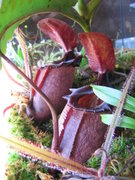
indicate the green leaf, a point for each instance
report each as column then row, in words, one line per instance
column 5, row 38
column 112, row 96
column 126, row 122
column 92, row 7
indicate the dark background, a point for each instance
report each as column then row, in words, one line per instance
column 115, row 18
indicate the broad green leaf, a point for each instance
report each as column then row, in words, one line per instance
column 112, row 96
column 126, row 122
column 92, row 7
column 14, row 12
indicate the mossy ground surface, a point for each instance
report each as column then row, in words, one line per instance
column 121, row 160
column 19, row 165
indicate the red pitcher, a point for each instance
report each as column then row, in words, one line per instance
column 81, row 130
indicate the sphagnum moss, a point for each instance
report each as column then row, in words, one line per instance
column 19, row 166
column 121, row 151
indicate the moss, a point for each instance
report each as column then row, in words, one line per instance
column 23, row 127
column 124, row 59
column 94, row 162
column 122, row 150
column 20, row 168
column 84, row 76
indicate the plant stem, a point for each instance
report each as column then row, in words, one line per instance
column 116, row 120
column 119, row 73
column 83, row 24
column 55, row 143
column 24, row 49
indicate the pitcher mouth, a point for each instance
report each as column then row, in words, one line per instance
column 84, row 99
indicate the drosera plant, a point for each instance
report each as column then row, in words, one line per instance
column 45, row 52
